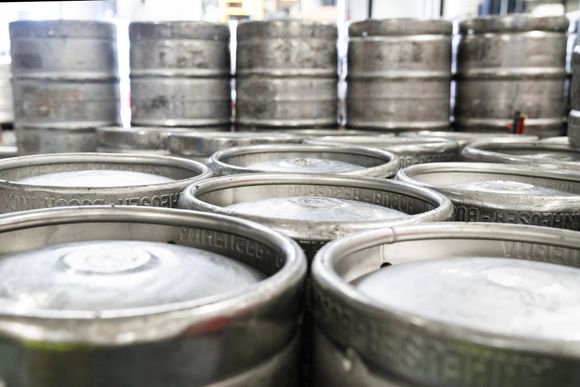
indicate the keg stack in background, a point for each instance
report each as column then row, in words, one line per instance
column 399, row 73
column 180, row 74
column 511, row 64
column 574, row 116
column 286, row 75
column 65, row 83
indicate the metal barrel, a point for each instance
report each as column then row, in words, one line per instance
column 286, row 74
column 512, row 64
column 143, row 139
column 311, row 159
column 65, row 78
column 84, row 179
column 315, row 209
column 465, row 138
column 399, row 74
column 501, row 193
column 574, row 115
column 392, row 300
column 201, row 145
column 313, row 133
column 218, row 300
column 6, row 101
column 545, row 155
column 409, row 150
column 180, row 73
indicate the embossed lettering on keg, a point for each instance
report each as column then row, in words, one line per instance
column 410, row 150
column 510, row 64
column 143, row 139
column 501, row 193
column 399, row 73
column 315, row 159
column 84, row 179
column 185, row 326
column 204, row 144
column 286, row 74
column 545, row 155
column 314, row 209
column 180, row 73
column 497, row 301
column 464, row 138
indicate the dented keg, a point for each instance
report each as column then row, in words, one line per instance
column 546, row 155
column 144, row 139
column 500, row 193
column 314, row 209
column 200, row 146
column 79, row 179
column 498, row 301
column 399, row 74
column 512, row 64
column 180, row 73
column 316, row 159
column 218, row 299
column 464, row 138
column 410, row 150
column 286, row 74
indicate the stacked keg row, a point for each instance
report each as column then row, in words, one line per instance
column 65, row 84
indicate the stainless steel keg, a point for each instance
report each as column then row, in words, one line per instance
column 399, row 73
column 6, row 101
column 111, row 296
column 7, row 151
column 449, row 304
column 82, row 179
column 549, row 156
column 65, row 82
column 286, row 74
column 560, row 140
column 200, row 146
column 180, row 73
column 410, row 150
column 574, row 116
column 143, row 139
column 464, row 138
column 511, row 64
column 315, row 209
column 501, row 193
column 315, row 159
column 311, row 133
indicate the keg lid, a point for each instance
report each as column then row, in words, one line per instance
column 102, row 275
column 514, row 23
column 69, row 29
column 138, row 138
column 489, row 294
column 400, row 26
column 545, row 155
column 310, row 207
column 179, row 30
column 286, row 29
column 346, row 160
column 499, row 185
column 204, row 144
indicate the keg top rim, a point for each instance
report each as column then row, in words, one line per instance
column 286, row 29
column 400, row 26
column 23, row 162
column 63, row 28
column 515, row 23
column 218, row 161
column 332, row 273
column 411, row 173
column 121, row 327
column 178, row 29
column 315, row 230
column 385, row 141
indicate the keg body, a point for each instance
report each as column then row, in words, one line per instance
column 65, row 82
column 180, row 73
column 6, row 99
column 286, row 74
column 399, row 73
column 574, row 116
column 511, row 64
